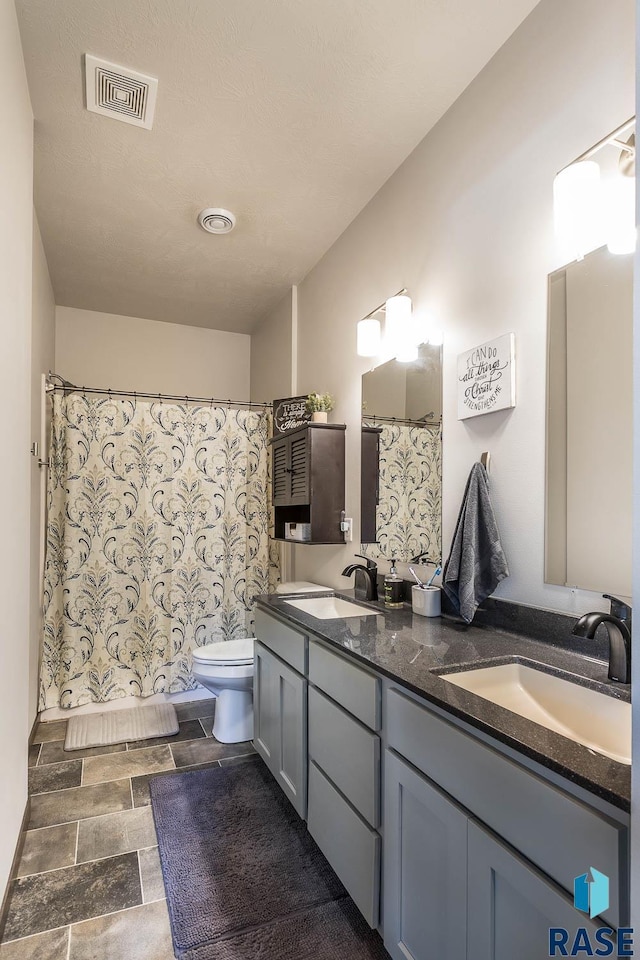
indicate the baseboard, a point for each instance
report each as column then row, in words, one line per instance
column 4, row 909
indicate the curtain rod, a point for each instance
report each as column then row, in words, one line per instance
column 67, row 387
column 417, row 423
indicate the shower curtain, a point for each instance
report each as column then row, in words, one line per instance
column 157, row 542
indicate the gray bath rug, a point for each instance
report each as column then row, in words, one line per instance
column 243, row 877
column 117, row 726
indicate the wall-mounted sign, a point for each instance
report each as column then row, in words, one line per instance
column 487, row 378
column 289, row 414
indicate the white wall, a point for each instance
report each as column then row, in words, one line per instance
column 16, row 204
column 272, row 345
column 42, row 360
column 129, row 353
column 466, row 225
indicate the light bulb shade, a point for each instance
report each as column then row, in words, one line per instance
column 620, row 214
column 400, row 332
column 369, row 337
column 577, row 207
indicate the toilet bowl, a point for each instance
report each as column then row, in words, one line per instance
column 226, row 669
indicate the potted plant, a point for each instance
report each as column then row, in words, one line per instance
column 319, row 405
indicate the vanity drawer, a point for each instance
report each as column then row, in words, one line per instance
column 283, row 640
column 347, row 752
column 557, row 833
column 349, row 844
column 354, row 689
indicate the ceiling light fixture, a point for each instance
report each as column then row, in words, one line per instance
column 216, row 220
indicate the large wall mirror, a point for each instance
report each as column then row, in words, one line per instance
column 589, row 424
column 401, row 474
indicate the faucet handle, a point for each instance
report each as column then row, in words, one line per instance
column 619, row 608
column 371, row 564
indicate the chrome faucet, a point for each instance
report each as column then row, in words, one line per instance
column 618, row 624
column 366, row 579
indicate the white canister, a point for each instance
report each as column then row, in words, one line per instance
column 426, row 601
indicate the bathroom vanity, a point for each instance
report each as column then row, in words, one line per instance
column 457, row 826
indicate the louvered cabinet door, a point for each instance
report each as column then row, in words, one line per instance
column 281, row 475
column 299, row 469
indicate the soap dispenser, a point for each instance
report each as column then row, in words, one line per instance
column 393, row 587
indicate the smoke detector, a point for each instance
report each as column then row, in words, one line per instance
column 216, row 220
column 120, row 93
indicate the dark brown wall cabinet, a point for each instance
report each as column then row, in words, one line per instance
column 308, row 481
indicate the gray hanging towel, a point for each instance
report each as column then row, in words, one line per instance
column 477, row 563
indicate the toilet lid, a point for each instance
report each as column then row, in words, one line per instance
column 227, row 651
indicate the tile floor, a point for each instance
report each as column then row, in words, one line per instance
column 88, row 885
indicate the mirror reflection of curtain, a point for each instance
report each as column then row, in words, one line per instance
column 157, row 542
column 408, row 517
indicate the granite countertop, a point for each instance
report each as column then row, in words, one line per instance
column 413, row 650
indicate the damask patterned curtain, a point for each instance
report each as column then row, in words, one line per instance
column 157, row 542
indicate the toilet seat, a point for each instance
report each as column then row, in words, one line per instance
column 229, row 653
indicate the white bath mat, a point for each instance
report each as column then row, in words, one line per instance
column 117, row 726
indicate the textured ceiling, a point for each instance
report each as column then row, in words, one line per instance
column 291, row 113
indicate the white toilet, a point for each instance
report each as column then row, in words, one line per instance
column 226, row 669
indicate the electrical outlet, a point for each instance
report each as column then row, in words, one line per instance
column 347, row 528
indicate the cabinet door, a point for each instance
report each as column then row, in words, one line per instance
column 265, row 707
column 280, row 724
column 281, row 477
column 511, row 905
column 299, row 468
column 291, row 694
column 425, row 868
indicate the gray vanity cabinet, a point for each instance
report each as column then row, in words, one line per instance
column 425, row 868
column 511, row 906
column 344, row 773
column 280, row 724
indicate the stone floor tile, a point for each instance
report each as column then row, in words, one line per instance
column 55, row 730
column 115, row 833
column 151, row 874
column 133, row 763
column 139, row 934
column 207, row 725
column 79, row 802
column 55, row 752
column 55, row 776
column 230, row 761
column 189, row 730
column 205, row 751
column 34, row 753
column 48, row 848
column 52, row 945
column 195, row 709
column 49, row 900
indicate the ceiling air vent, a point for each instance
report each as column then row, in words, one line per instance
column 216, row 220
column 120, row 93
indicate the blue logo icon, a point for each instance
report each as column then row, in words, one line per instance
column 591, row 892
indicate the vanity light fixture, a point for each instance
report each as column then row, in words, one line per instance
column 590, row 209
column 369, row 335
column 400, row 331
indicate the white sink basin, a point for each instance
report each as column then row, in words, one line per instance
column 330, row 608
column 580, row 713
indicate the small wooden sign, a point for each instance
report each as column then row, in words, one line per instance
column 289, row 414
column 487, row 378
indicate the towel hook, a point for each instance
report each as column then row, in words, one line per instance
column 485, row 460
